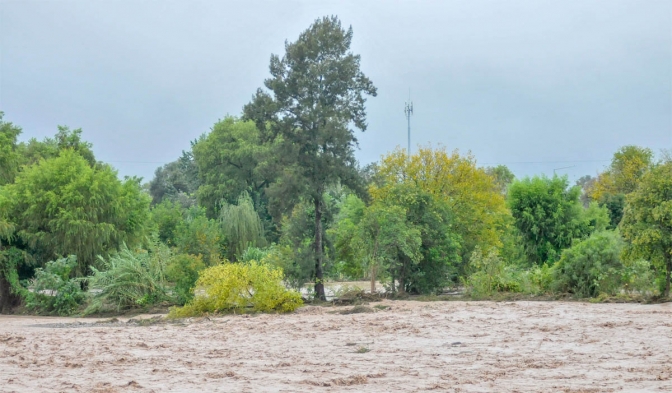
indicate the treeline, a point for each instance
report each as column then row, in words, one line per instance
column 275, row 196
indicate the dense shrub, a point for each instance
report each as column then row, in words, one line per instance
column 254, row 254
column 53, row 291
column 491, row 275
column 591, row 266
column 183, row 270
column 131, row 278
column 639, row 277
column 239, row 287
column 198, row 235
column 295, row 263
column 166, row 217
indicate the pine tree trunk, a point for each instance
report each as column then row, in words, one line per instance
column 319, row 275
column 402, row 282
column 373, row 279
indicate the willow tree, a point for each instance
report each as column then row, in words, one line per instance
column 316, row 96
column 242, row 226
column 63, row 205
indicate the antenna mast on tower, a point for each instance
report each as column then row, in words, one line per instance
column 408, row 110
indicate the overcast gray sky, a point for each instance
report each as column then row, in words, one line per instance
column 535, row 85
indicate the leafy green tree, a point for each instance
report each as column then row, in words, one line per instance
column 548, row 215
column 371, row 238
column 647, row 220
column 614, row 203
column 64, row 206
column 175, row 179
column 502, row 176
column 298, row 236
column 386, row 239
column 478, row 209
column 166, row 216
column 586, row 184
column 235, row 157
column 9, row 155
column 65, row 139
column 440, row 247
column 200, row 235
column 406, row 235
column 316, row 93
column 345, row 231
column 621, row 178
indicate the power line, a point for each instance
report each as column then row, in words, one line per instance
column 137, row 162
column 541, row 162
column 482, row 163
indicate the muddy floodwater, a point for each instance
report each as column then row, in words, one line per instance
column 406, row 347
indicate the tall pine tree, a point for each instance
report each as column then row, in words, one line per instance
column 315, row 100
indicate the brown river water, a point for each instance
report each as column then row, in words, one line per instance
column 408, row 347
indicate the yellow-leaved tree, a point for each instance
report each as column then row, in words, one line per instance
column 621, row 178
column 624, row 173
column 479, row 208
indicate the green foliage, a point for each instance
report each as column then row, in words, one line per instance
column 638, row 277
column 175, row 180
column 183, row 270
column 291, row 262
column 502, row 176
column 298, row 235
column 53, row 290
column 239, row 287
column 131, row 278
column 439, row 242
column 63, row 206
column 622, row 177
column 242, row 227
column 548, row 215
column 491, row 275
column 9, row 155
column 478, row 211
column 199, row 235
column 647, row 220
column 591, row 266
column 34, row 151
column 318, row 93
column 166, row 217
column 11, row 291
column 388, row 240
column 405, row 235
column 345, row 232
column 254, row 254
column 595, row 218
column 614, row 203
column 235, row 157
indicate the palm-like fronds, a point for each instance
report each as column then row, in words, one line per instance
column 131, row 278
